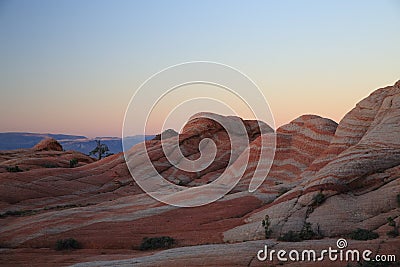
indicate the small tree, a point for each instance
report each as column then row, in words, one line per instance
column 73, row 162
column 13, row 169
column 266, row 224
column 319, row 199
column 395, row 231
column 307, row 233
column 157, row 242
column 100, row 149
column 67, row 244
column 363, row 234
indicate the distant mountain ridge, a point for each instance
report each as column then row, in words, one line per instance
column 83, row 144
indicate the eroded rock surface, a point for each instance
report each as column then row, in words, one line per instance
column 335, row 177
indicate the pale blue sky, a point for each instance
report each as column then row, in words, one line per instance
column 72, row 66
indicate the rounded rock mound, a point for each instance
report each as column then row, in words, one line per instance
column 48, row 144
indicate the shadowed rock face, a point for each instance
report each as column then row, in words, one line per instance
column 355, row 165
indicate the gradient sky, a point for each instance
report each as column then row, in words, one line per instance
column 72, row 66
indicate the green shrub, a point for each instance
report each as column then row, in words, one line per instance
column 50, row 165
column 319, row 234
column 395, row 231
column 14, row 169
column 67, row 244
column 306, row 233
column 20, row 213
column 290, row 237
column 391, row 222
column 157, row 242
column 17, row 213
column 363, row 234
column 73, row 163
column 319, row 198
column 266, row 224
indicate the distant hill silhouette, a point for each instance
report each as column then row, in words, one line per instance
column 20, row 140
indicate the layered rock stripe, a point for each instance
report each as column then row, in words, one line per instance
column 355, row 164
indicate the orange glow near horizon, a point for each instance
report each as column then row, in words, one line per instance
column 76, row 76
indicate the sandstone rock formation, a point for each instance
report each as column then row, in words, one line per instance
column 47, row 154
column 196, row 130
column 48, row 144
column 353, row 167
column 357, row 173
column 298, row 144
column 166, row 134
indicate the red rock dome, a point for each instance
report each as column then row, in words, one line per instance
column 48, row 144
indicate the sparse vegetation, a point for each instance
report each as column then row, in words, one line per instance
column 50, row 165
column 391, row 222
column 19, row 213
column 62, row 207
column 14, row 169
column 67, row 244
column 290, row 237
column 73, row 163
column 305, row 234
column 266, row 224
column 395, row 231
column 157, row 242
column 319, row 198
column 363, row 234
column 319, row 233
column 100, row 150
